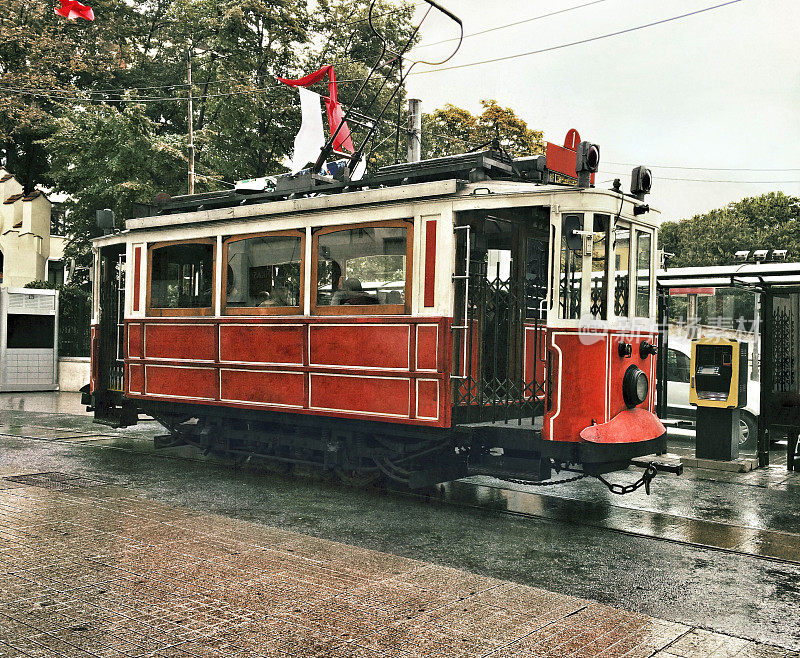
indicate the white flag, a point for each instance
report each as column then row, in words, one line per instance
column 311, row 138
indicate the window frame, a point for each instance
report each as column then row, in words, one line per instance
column 182, row 311
column 268, row 310
column 608, row 270
column 369, row 309
column 628, row 225
column 651, row 293
column 585, row 276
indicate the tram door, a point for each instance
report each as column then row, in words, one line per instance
column 110, row 353
column 505, row 292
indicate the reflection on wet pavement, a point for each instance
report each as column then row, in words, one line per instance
column 751, row 541
column 99, row 571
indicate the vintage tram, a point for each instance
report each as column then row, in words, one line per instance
column 437, row 319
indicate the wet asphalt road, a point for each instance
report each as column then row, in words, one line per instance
column 739, row 595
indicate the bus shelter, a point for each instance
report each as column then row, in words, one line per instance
column 777, row 289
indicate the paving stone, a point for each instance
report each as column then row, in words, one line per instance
column 99, row 571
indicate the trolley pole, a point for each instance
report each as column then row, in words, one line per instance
column 414, row 129
column 191, row 126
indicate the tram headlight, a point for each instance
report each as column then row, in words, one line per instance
column 634, row 387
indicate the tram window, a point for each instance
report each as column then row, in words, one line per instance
column 599, row 289
column 571, row 277
column 264, row 274
column 362, row 270
column 643, row 248
column 622, row 265
column 181, row 278
column 535, row 278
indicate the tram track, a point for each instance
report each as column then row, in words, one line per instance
column 492, row 497
column 792, row 541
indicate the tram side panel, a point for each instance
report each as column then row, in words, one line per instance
column 382, row 367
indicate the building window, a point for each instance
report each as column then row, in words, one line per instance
column 264, row 274
column 55, row 272
column 365, row 269
column 181, row 278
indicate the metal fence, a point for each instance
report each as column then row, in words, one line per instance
column 75, row 316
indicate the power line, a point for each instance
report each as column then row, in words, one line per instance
column 630, row 164
column 60, row 94
column 507, row 25
column 714, row 180
column 745, row 182
column 576, row 43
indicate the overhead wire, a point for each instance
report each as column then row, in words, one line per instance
column 708, row 180
column 631, row 164
column 61, row 94
column 578, row 42
column 53, row 92
column 508, row 25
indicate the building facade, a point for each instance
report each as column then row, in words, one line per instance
column 28, row 250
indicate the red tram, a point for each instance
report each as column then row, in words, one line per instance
column 437, row 319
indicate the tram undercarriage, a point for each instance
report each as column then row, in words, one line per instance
column 360, row 453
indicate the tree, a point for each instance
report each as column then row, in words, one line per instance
column 103, row 157
column 40, row 53
column 98, row 110
column 348, row 42
column 769, row 221
column 451, row 130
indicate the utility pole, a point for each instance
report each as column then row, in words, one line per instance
column 414, row 129
column 191, row 126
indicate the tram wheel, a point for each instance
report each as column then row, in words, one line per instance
column 277, row 468
column 358, row 479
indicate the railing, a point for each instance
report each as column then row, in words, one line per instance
column 497, row 362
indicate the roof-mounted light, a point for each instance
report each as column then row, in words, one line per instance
column 587, row 161
column 641, row 182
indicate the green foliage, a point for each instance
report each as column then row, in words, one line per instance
column 105, row 157
column 769, row 221
column 451, row 130
column 41, row 285
column 114, row 150
column 348, row 42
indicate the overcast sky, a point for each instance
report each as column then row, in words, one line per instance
column 719, row 89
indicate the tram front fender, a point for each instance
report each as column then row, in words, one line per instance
column 629, row 426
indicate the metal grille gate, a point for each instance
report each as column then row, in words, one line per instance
column 112, row 324
column 494, row 384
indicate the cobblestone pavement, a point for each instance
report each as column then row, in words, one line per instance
column 88, row 569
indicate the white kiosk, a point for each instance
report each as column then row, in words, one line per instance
column 28, row 339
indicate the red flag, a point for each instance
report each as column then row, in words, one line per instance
column 74, row 9
column 332, row 106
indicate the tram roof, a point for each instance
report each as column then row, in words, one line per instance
column 497, row 178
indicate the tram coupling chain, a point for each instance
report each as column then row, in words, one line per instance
column 621, row 489
column 541, row 483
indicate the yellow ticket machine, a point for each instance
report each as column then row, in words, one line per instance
column 718, row 387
